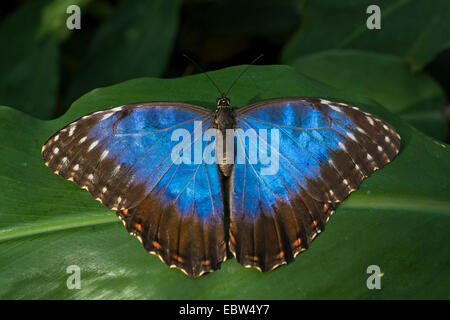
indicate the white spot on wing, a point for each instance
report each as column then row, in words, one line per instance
column 82, row 140
column 104, row 154
column 360, row 130
column 106, row 116
column 104, row 189
column 56, row 150
column 91, row 177
column 370, row 120
column 56, row 138
column 76, row 167
column 116, row 169
column 351, row 136
column 92, row 146
column 71, row 130
column 335, row 108
column 387, row 139
column 341, row 145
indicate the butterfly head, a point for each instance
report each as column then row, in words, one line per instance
column 223, row 102
column 224, row 116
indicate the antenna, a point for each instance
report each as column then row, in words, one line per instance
column 245, row 70
column 201, row 69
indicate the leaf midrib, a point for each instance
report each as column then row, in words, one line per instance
column 50, row 227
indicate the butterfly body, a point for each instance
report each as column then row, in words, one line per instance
column 136, row 160
column 224, row 119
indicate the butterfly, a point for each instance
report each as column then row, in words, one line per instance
column 190, row 213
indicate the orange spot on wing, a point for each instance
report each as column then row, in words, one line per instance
column 233, row 240
column 138, row 227
column 206, row 263
column 314, row 224
column 178, row 258
column 297, row 243
column 254, row 258
column 125, row 211
column 157, row 245
column 280, row 255
column 325, row 207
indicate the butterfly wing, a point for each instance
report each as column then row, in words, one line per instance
column 123, row 157
column 325, row 149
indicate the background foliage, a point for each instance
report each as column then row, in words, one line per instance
column 49, row 76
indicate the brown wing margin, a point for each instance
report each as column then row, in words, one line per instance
column 191, row 244
column 278, row 235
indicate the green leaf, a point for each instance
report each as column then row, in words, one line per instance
column 399, row 218
column 135, row 41
column 416, row 30
column 29, row 58
column 415, row 96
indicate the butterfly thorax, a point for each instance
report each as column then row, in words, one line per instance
column 224, row 119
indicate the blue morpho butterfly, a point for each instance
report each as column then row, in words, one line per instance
column 188, row 212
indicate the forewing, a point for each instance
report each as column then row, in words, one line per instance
column 123, row 157
column 324, row 152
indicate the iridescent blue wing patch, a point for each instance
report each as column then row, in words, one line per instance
column 325, row 150
column 123, row 157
